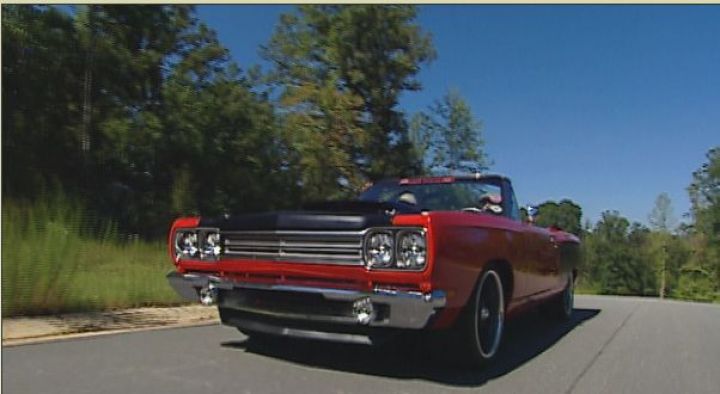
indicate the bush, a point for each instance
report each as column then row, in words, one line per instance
column 695, row 284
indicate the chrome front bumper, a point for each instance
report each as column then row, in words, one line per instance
column 396, row 309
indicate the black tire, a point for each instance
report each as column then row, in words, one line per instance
column 479, row 331
column 561, row 307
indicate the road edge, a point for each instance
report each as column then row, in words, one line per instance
column 41, row 329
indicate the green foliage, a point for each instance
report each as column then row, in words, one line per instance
column 677, row 253
column 448, row 137
column 696, row 284
column 325, row 134
column 662, row 220
column 40, row 95
column 363, row 57
column 615, row 262
column 140, row 107
column 630, row 259
column 222, row 149
column 566, row 215
column 58, row 257
column 705, row 198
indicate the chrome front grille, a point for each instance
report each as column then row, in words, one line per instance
column 323, row 247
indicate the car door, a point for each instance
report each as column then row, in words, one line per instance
column 540, row 253
column 544, row 257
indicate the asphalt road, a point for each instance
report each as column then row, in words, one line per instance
column 613, row 345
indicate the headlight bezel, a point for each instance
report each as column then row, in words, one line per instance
column 402, row 235
column 210, row 250
column 397, row 234
column 366, row 249
column 201, row 235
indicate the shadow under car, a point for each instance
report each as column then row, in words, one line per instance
column 524, row 338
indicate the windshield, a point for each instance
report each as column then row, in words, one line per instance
column 458, row 195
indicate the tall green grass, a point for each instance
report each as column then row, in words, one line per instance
column 58, row 257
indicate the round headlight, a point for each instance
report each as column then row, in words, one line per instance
column 412, row 250
column 186, row 244
column 379, row 250
column 211, row 245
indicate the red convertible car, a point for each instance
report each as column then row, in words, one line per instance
column 447, row 254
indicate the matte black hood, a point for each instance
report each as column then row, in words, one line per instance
column 336, row 215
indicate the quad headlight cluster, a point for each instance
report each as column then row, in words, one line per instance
column 404, row 249
column 198, row 243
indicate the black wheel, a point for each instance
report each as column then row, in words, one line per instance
column 481, row 327
column 562, row 306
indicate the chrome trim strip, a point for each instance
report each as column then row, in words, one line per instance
column 297, row 232
column 292, row 255
column 292, row 244
column 302, row 260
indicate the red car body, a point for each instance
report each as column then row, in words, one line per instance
column 535, row 265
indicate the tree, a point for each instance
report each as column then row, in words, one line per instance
column 615, row 258
column 141, row 108
column 369, row 53
column 678, row 253
column 324, row 135
column 644, row 267
column 566, row 215
column 422, row 141
column 130, row 54
column 448, row 137
column 704, row 194
column 662, row 220
column 611, row 254
column 221, row 146
column 40, row 95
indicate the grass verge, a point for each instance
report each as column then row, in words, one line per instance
column 57, row 257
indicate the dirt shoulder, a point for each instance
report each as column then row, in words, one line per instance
column 25, row 330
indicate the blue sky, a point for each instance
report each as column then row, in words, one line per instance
column 606, row 105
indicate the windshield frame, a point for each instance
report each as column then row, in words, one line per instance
column 397, row 186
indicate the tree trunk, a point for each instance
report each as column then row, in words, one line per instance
column 663, row 270
column 87, row 88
